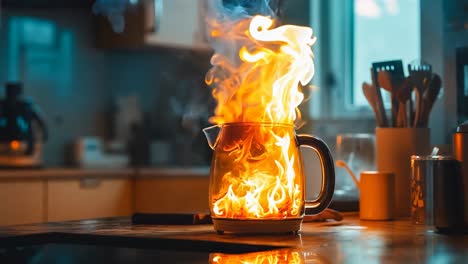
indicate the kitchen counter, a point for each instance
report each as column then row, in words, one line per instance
column 66, row 173
column 62, row 173
column 170, row 172
column 348, row 241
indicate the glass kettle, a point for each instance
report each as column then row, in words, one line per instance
column 257, row 182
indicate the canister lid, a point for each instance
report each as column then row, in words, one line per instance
column 431, row 157
column 463, row 128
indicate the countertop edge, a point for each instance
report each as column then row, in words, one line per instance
column 73, row 173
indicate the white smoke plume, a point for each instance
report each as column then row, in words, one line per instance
column 259, row 65
column 244, row 8
column 225, row 16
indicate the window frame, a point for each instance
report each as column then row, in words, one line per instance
column 333, row 23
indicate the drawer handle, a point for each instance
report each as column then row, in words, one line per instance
column 90, row 182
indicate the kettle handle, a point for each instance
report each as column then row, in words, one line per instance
column 328, row 174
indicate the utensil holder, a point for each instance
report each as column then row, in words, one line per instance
column 394, row 148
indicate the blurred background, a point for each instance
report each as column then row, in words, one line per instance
column 147, row 83
column 138, row 98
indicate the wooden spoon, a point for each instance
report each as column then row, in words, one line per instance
column 417, row 114
column 420, row 74
column 429, row 97
column 392, row 83
column 378, row 100
column 403, row 95
column 369, row 92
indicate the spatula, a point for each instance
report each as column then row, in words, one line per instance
column 390, row 76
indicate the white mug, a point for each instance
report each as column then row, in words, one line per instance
column 377, row 195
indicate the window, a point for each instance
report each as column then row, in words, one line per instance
column 350, row 36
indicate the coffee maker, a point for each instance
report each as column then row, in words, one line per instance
column 22, row 130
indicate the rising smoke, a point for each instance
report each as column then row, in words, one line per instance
column 259, row 66
column 243, row 8
column 225, row 16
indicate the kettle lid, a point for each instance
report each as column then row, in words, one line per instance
column 463, row 128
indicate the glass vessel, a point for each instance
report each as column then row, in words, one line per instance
column 257, row 180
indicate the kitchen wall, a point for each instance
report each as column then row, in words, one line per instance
column 52, row 54
column 443, row 32
column 76, row 84
column 172, row 93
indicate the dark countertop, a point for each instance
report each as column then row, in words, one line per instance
column 351, row 240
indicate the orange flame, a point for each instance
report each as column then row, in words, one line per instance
column 260, row 181
column 269, row 257
column 264, row 85
column 260, row 85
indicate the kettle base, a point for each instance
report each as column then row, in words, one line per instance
column 238, row 226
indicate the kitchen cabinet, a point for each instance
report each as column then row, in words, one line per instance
column 163, row 194
column 161, row 23
column 85, row 198
column 22, row 201
column 47, row 4
column 34, row 196
column 181, row 23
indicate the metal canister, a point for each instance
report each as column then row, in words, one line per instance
column 460, row 151
column 448, row 196
column 437, row 192
column 422, row 189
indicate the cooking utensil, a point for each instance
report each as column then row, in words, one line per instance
column 390, row 76
column 420, row 73
column 370, row 92
column 378, row 101
column 385, row 80
column 393, row 83
column 429, row 97
column 403, row 95
column 418, row 101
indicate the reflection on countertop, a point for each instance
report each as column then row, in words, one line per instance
column 349, row 241
column 48, row 173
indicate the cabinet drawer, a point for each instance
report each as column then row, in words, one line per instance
column 171, row 195
column 87, row 198
column 21, row 202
